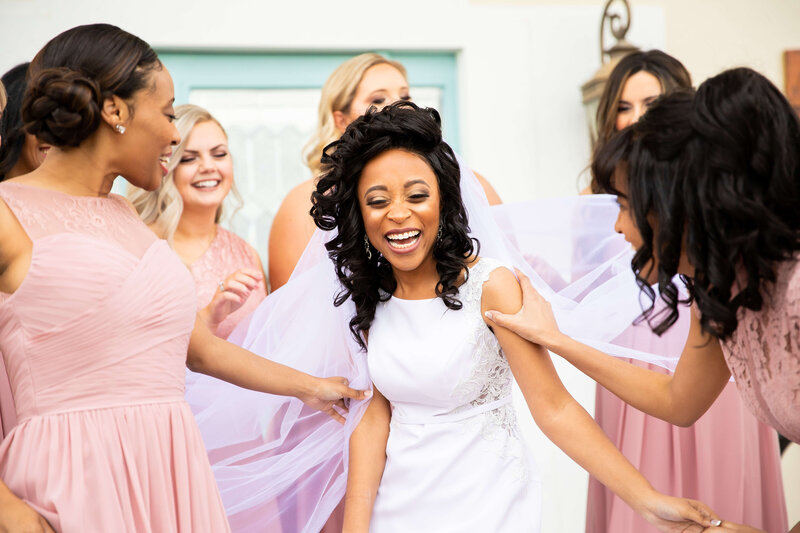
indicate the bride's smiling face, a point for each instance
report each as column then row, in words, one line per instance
column 398, row 194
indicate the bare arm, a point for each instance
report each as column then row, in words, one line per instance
column 211, row 355
column 291, row 230
column 679, row 399
column 571, row 428
column 15, row 259
column 367, row 461
column 16, row 249
column 491, row 194
column 19, row 516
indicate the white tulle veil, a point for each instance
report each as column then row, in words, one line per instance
column 282, row 467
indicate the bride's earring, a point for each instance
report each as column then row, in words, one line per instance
column 366, row 247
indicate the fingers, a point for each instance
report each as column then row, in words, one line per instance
column 251, row 273
column 501, row 319
column 241, row 289
column 701, row 514
column 528, row 292
column 341, row 407
column 347, row 392
column 355, row 394
column 711, row 518
column 336, row 416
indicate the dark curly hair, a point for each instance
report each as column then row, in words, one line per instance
column 11, row 130
column 71, row 76
column 646, row 157
column 335, row 205
column 720, row 173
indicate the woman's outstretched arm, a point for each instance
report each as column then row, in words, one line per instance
column 680, row 398
column 221, row 359
column 571, row 428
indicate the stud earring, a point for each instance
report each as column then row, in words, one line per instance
column 120, row 128
column 367, row 248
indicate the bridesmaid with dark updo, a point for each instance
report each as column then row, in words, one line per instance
column 98, row 316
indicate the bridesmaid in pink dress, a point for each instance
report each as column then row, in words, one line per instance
column 97, row 316
column 744, row 481
column 186, row 210
column 718, row 175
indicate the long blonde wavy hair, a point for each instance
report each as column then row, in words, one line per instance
column 161, row 209
column 337, row 95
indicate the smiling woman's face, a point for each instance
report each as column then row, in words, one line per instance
column 204, row 175
column 399, row 198
column 639, row 91
column 146, row 145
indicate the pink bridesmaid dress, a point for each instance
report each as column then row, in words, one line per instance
column 727, row 459
column 227, row 254
column 94, row 341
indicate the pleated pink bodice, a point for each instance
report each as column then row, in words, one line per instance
column 94, row 341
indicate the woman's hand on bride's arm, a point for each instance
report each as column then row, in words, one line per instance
column 571, row 428
column 19, row 517
column 534, row 321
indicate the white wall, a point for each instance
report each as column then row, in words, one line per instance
column 521, row 61
column 520, row 66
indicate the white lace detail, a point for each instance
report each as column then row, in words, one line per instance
column 490, row 378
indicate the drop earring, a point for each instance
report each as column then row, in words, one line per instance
column 367, row 248
column 439, row 234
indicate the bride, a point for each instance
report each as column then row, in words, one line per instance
column 439, row 444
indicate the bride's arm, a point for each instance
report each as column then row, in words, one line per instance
column 571, row 428
column 680, row 398
column 367, row 461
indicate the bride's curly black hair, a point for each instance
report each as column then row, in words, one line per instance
column 719, row 173
column 335, row 205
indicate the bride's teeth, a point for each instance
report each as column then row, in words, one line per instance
column 396, row 238
column 402, row 236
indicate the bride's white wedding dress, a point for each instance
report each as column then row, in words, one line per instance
column 455, row 461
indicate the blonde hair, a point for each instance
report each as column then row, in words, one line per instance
column 337, row 95
column 3, row 98
column 162, row 208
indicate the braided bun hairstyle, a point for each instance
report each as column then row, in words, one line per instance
column 74, row 73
